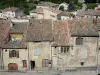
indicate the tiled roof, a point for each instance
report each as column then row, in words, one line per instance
column 81, row 13
column 10, row 9
column 4, row 30
column 61, row 33
column 84, row 27
column 46, row 4
column 37, row 10
column 19, row 27
column 56, row 11
column 14, row 45
column 40, row 30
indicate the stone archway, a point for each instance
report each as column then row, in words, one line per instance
column 12, row 66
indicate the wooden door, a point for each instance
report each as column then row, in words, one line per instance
column 12, row 66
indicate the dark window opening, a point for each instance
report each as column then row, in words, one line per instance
column 32, row 64
column 65, row 49
column 79, row 41
column 24, row 64
column 82, row 63
column 5, row 50
column 14, row 53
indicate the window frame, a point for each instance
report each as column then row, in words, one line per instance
column 13, row 54
column 64, row 49
column 24, row 63
column 79, row 41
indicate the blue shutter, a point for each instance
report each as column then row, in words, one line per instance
column 36, row 51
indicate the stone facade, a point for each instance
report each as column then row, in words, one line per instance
column 39, row 51
column 23, row 55
column 76, row 54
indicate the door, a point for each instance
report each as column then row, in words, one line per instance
column 12, row 66
column 54, row 61
column 45, row 63
column 32, row 64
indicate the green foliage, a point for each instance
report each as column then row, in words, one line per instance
column 26, row 11
column 91, row 5
column 32, row 6
column 15, row 3
column 71, row 7
column 61, row 8
column 79, row 6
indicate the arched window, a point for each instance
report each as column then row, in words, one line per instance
column 14, row 53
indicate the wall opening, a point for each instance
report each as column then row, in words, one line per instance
column 32, row 64
column 82, row 63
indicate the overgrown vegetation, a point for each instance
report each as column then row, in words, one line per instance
column 27, row 6
column 91, row 5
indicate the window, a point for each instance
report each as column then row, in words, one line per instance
column 45, row 62
column 5, row 50
column 79, row 41
column 24, row 64
column 65, row 49
column 14, row 53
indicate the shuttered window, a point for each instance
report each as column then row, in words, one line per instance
column 24, row 64
column 45, row 62
column 14, row 53
column 65, row 49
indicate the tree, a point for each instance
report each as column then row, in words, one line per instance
column 61, row 8
column 71, row 6
column 32, row 6
column 91, row 5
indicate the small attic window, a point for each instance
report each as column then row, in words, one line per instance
column 79, row 41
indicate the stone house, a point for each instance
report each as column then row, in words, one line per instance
column 65, row 16
column 81, row 49
column 4, row 30
column 41, row 13
column 70, row 44
column 12, row 55
column 39, row 39
column 12, row 12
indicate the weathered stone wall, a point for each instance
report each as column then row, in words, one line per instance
column 44, row 52
column 78, row 53
column 23, row 55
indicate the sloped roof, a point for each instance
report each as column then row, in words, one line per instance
column 10, row 9
column 40, row 30
column 56, row 11
column 84, row 27
column 19, row 28
column 46, row 4
column 4, row 30
column 37, row 10
column 81, row 13
column 14, row 45
column 64, row 13
column 61, row 33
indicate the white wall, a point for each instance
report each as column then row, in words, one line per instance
column 9, row 14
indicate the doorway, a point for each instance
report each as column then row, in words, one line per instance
column 12, row 66
column 32, row 64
